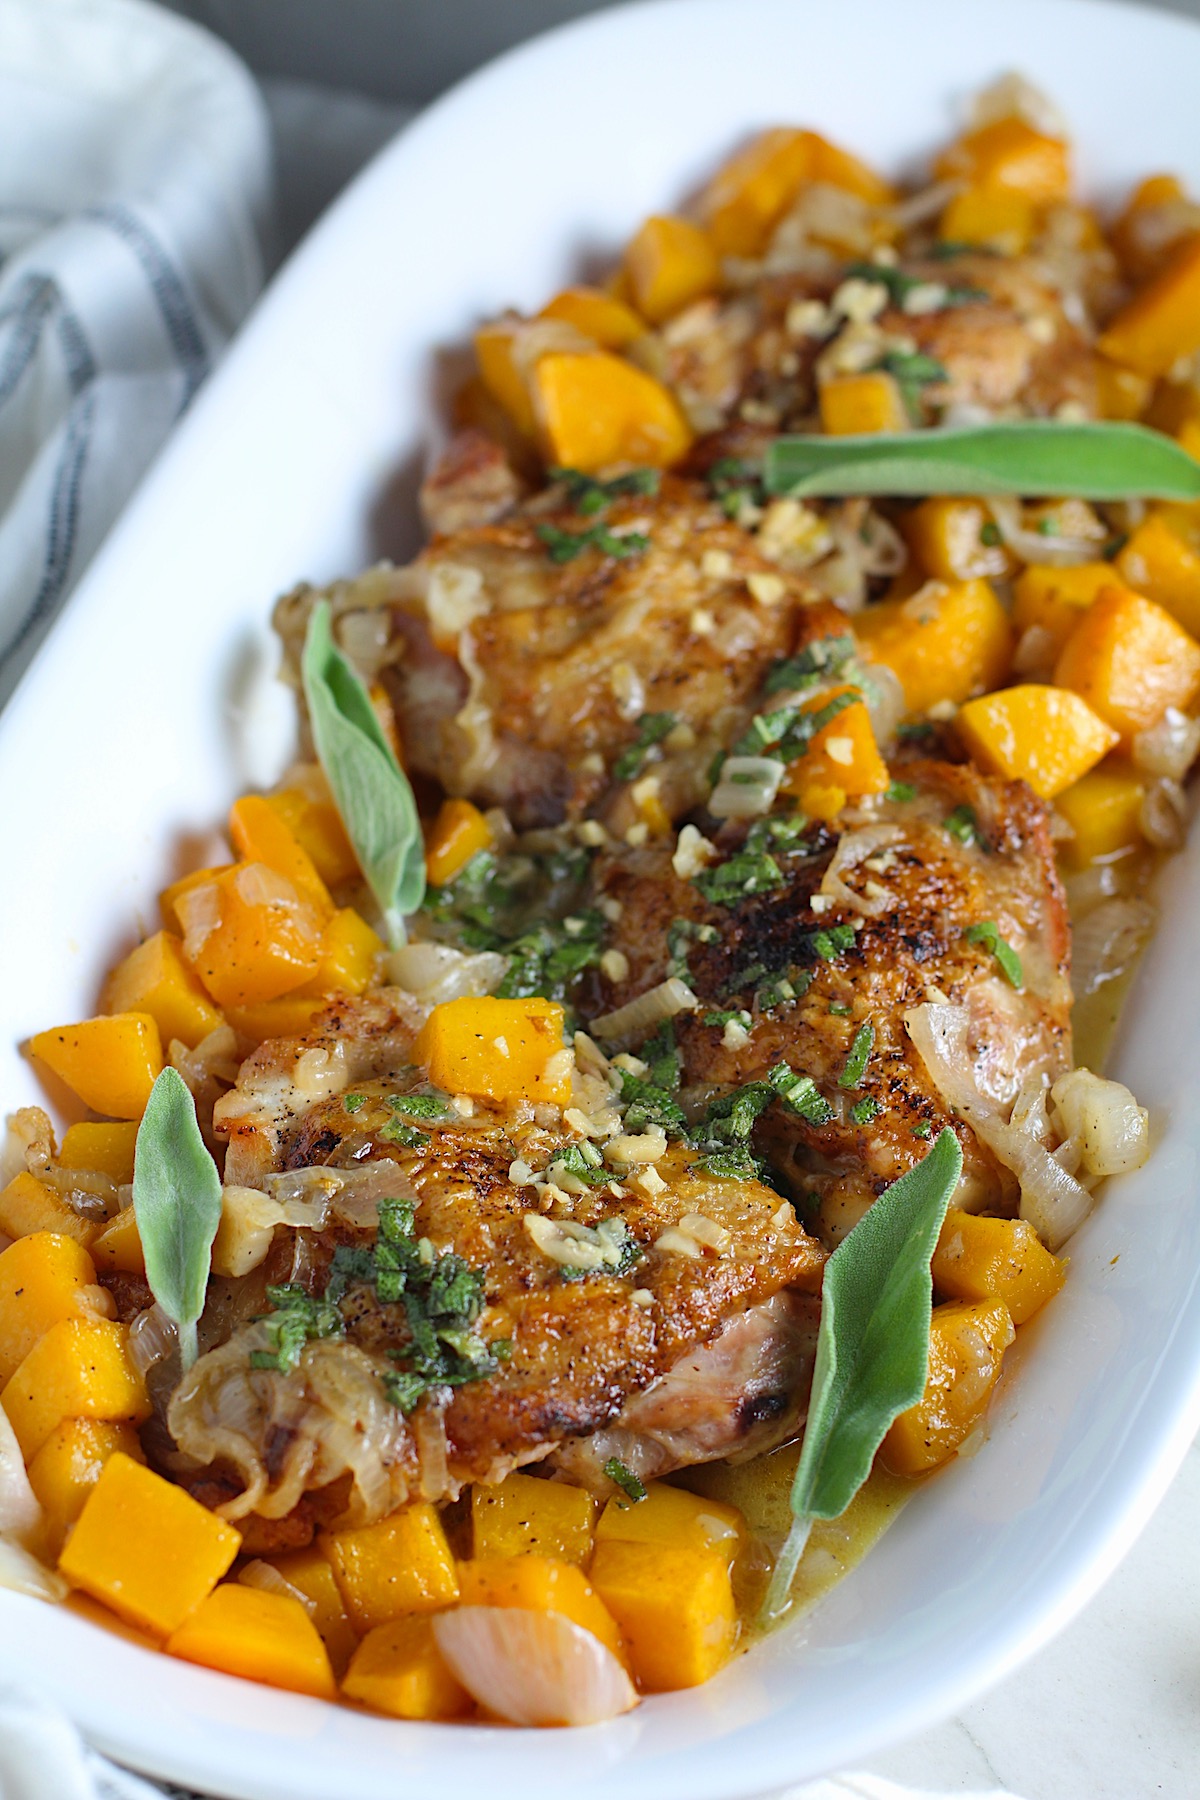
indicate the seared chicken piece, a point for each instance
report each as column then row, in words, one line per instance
column 865, row 925
column 519, row 660
column 592, row 1295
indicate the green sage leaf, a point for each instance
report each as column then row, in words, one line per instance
column 1109, row 461
column 177, row 1205
column 371, row 789
column 873, row 1347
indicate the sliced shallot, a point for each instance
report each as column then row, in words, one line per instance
column 533, row 1668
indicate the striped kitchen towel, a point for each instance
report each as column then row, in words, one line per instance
column 134, row 173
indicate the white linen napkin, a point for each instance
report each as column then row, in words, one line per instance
column 134, row 176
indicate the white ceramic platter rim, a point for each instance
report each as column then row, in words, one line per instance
column 161, row 666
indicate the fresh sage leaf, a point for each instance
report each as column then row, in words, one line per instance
column 177, row 1205
column 371, row 789
column 1109, row 461
column 873, row 1347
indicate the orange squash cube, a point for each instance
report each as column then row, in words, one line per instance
column 995, row 1259
column 1133, row 246
column 501, row 373
column 947, row 535
column 260, row 835
column 311, row 1574
column 747, row 198
column 946, row 642
column 602, row 317
column 32, row 1207
column 842, row 169
column 967, row 1341
column 110, row 1062
column 146, row 1549
column 249, row 935
column 398, row 1669
column 1122, row 393
column 119, row 1246
column 68, row 1466
column 155, row 979
column 995, row 218
column 671, row 1517
column 670, row 263
column 497, row 1049
column 43, row 1278
column 260, row 1636
column 521, row 1513
column 1046, row 736
column 100, row 1149
column 349, row 949
column 842, row 757
column 1053, row 599
column 289, row 1016
column 1129, row 660
column 1009, row 153
column 674, row 1606
column 314, row 821
column 541, row 1584
column 1162, row 562
column 78, row 1369
column 1104, row 811
column 857, row 405
column 459, row 832
column 1162, row 321
column 593, row 409
column 401, row 1565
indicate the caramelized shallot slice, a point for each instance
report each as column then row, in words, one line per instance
column 533, row 1668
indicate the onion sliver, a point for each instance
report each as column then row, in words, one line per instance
column 533, row 1668
column 1054, row 1203
column 20, row 1513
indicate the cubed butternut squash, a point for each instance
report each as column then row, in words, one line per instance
column 1046, row 736
column 1104, row 812
column 967, row 1341
column 249, row 935
column 541, row 1584
column 521, row 1513
column 983, row 1259
column 859, row 405
column 459, row 832
column 497, row 1049
column 101, row 1149
column 502, row 374
column 398, row 1669
column 145, row 1548
column 842, row 760
column 311, row 1574
column 43, row 1279
column 289, row 1016
column 68, row 1466
column 1053, row 599
column 400, row 1565
column 594, row 408
column 596, row 315
column 78, row 1369
column 1162, row 562
column 749, row 195
column 948, row 641
column 954, row 539
column 842, row 169
column 314, row 821
column 671, row 1517
column 155, row 979
column 1161, row 323
column 118, row 1245
column 670, row 263
column 349, row 949
column 259, row 835
column 110, row 1062
column 1129, row 660
column 29, row 1206
column 1010, row 153
column 260, row 1636
column 995, row 218
column 1136, row 250
column 674, row 1606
